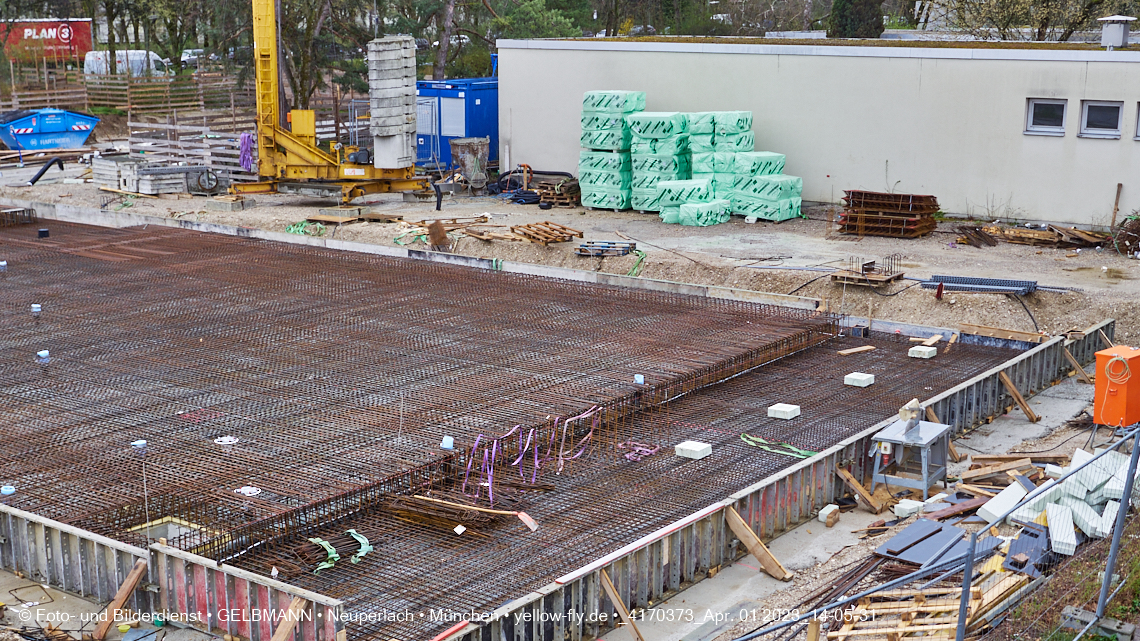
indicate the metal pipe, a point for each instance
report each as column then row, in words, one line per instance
column 1125, row 502
column 43, row 170
column 967, row 577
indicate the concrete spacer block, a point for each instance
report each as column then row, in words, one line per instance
column 693, row 449
column 937, row 498
column 922, row 351
column 1005, row 500
column 907, row 507
column 827, row 509
column 1084, row 516
column 1062, row 536
column 783, row 410
column 1055, row 471
column 859, row 379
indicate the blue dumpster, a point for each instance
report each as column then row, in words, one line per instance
column 31, row 130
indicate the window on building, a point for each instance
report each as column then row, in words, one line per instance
column 1101, row 119
column 1046, row 117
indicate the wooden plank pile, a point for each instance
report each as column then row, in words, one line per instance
column 1053, row 236
column 871, row 213
column 562, row 194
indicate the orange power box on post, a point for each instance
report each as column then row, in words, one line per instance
column 1117, row 401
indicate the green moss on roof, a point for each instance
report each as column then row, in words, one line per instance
column 822, row 42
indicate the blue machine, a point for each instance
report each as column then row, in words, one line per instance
column 32, row 130
column 456, row 108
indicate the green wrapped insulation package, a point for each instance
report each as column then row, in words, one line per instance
column 671, row 215
column 732, row 122
column 621, row 102
column 702, row 143
column 705, row 214
column 607, row 139
column 758, row 163
column 722, row 162
column 701, row 122
column 776, row 187
column 661, row 163
column 657, row 124
column 721, row 183
column 679, row 192
column 606, row 198
column 602, row 121
column 649, row 180
column 603, row 161
column 604, row 179
column 735, row 142
column 645, row 200
column 772, row 210
column 673, row 145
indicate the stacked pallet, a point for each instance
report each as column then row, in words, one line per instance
column 659, row 152
column 872, row 213
column 604, row 166
column 106, row 170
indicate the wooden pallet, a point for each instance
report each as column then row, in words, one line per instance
column 375, row 217
column 332, row 220
column 546, row 232
column 870, row 279
column 604, row 248
column 548, row 195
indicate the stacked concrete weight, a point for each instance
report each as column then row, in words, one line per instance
column 392, row 97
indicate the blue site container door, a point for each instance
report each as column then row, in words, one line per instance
column 457, row 108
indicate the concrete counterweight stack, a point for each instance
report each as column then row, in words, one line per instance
column 392, row 97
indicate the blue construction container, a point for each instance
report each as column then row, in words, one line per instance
column 456, row 108
column 32, row 130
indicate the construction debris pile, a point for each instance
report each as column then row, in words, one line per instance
column 1056, row 508
column 1047, row 236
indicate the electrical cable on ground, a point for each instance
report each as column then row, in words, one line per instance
column 808, row 283
column 1081, row 433
column 1036, row 327
column 895, row 293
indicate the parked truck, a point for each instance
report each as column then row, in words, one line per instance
column 135, row 62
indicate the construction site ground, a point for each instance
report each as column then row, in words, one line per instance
column 739, row 598
column 1103, row 283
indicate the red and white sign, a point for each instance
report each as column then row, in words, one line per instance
column 49, row 38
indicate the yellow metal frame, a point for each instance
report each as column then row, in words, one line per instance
column 293, row 155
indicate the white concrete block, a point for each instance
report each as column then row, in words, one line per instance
column 922, row 351
column 1108, row 518
column 1084, row 516
column 826, row 510
column 859, row 379
column 937, row 498
column 693, row 449
column 1005, row 500
column 933, row 507
column 783, row 410
column 1114, row 488
column 907, row 507
column 1062, row 536
column 1055, row 471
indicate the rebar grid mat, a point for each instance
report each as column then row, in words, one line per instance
column 337, row 373
column 13, row 217
column 611, row 501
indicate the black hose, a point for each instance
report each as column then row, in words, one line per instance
column 438, row 196
column 507, row 177
column 43, row 170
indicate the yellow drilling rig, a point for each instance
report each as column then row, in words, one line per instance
column 289, row 160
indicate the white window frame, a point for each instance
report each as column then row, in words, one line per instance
column 1107, row 134
column 1137, row 136
column 1038, row 130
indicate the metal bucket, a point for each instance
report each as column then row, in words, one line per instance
column 469, row 156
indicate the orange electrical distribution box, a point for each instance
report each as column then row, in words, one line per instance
column 1117, row 401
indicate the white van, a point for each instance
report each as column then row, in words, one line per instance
column 141, row 63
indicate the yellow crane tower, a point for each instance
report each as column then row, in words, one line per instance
column 289, row 160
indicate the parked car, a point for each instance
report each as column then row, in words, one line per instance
column 190, row 57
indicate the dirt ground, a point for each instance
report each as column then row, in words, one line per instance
column 1102, row 284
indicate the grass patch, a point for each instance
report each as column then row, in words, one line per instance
column 106, row 111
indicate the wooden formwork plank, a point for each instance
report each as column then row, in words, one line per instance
column 622, row 611
column 744, row 532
